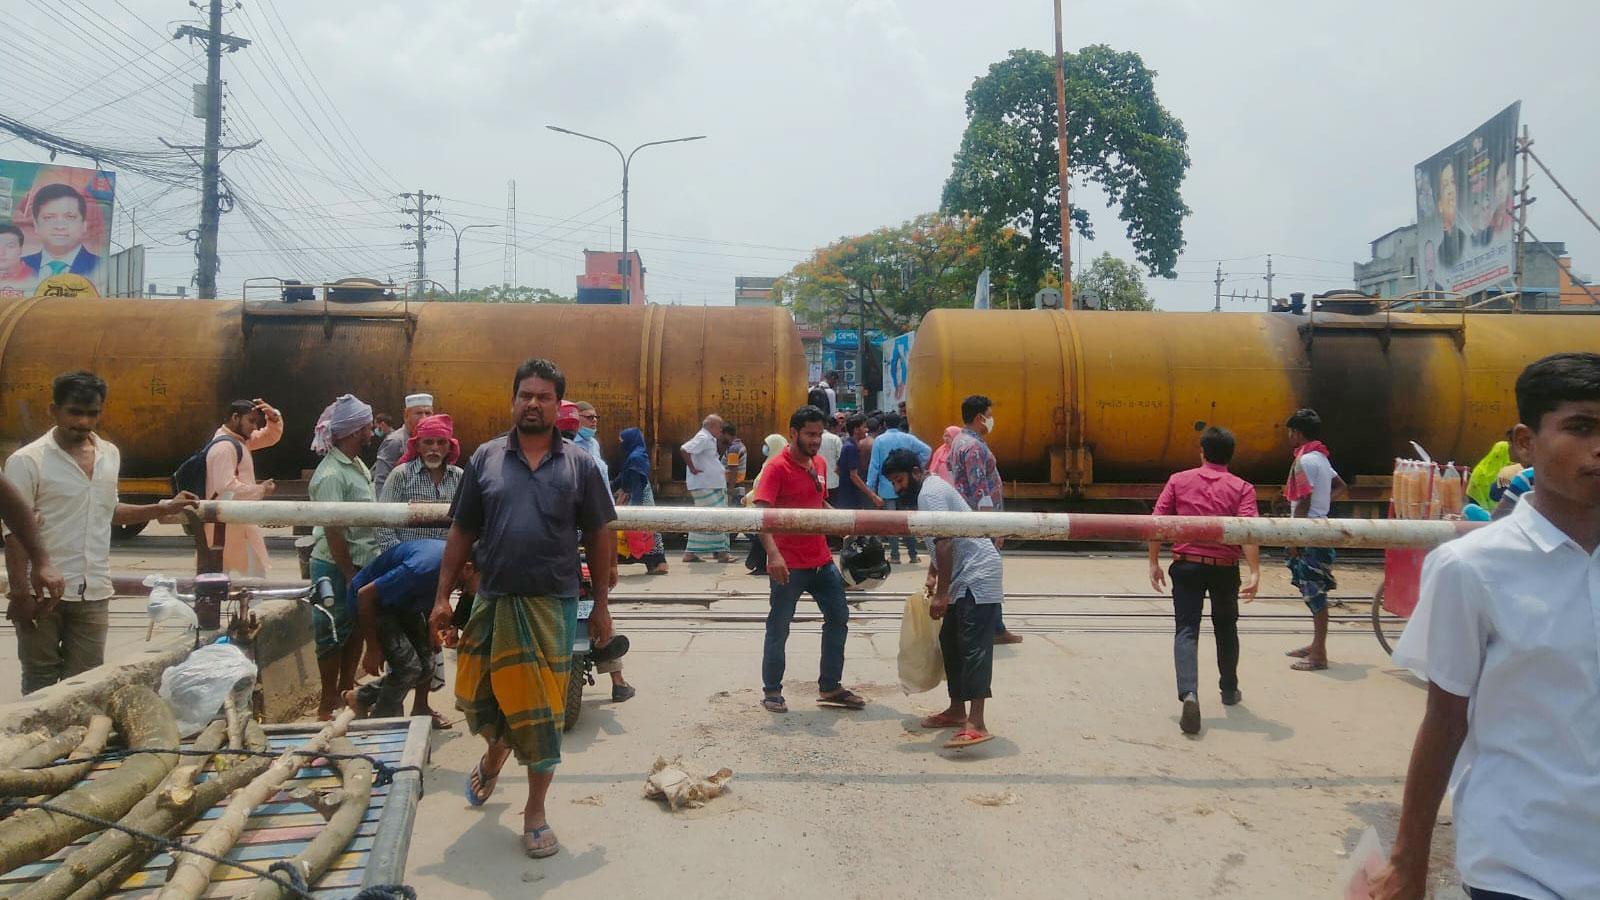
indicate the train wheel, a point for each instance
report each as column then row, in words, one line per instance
column 1377, row 621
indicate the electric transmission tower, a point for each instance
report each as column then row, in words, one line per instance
column 508, row 266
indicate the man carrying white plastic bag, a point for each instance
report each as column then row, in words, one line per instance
column 964, row 582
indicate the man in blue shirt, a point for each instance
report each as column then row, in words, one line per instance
column 892, row 439
column 389, row 601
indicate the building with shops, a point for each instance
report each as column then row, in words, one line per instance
column 753, row 290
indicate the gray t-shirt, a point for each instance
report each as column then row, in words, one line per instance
column 977, row 562
column 527, row 521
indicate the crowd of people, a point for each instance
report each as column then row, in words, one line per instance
column 1504, row 631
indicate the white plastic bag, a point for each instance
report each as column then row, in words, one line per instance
column 196, row 687
column 921, row 664
column 165, row 604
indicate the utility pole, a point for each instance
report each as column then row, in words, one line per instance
column 1524, row 147
column 1269, row 280
column 626, row 266
column 210, row 166
column 1064, row 166
column 458, row 232
column 421, row 226
column 1218, row 306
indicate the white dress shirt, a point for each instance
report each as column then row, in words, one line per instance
column 1509, row 617
column 75, row 510
column 702, row 448
column 832, row 446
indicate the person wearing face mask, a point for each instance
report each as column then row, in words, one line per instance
column 427, row 473
column 976, row 477
column 588, row 427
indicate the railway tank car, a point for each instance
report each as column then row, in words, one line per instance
column 1105, row 405
column 173, row 365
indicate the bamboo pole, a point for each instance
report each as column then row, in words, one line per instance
column 191, row 874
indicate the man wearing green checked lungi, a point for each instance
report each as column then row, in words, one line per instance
column 523, row 500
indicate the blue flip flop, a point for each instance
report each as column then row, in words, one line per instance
column 488, row 785
column 533, row 834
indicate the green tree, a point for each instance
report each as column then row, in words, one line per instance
column 1119, row 136
column 495, row 293
column 901, row 272
column 1115, row 282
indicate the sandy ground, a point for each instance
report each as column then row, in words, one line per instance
column 1089, row 791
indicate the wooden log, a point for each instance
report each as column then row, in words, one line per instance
column 192, row 874
column 49, row 782
column 146, row 723
column 51, row 748
column 112, row 845
column 178, row 788
column 230, row 709
column 13, row 745
column 127, row 855
column 318, row 856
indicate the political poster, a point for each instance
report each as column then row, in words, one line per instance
column 55, row 229
column 1465, row 226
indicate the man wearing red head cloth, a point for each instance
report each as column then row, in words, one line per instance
column 426, row 473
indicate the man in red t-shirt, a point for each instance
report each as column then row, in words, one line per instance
column 1200, row 568
column 800, row 564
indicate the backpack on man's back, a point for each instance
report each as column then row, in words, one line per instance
column 191, row 473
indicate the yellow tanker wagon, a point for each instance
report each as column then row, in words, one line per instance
column 173, row 365
column 1103, row 406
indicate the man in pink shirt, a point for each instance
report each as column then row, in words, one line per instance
column 231, row 475
column 1201, row 568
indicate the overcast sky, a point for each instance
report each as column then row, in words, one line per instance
column 824, row 118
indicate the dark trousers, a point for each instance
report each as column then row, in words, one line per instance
column 406, row 650
column 1191, row 582
column 756, row 559
column 967, row 641
column 826, row 586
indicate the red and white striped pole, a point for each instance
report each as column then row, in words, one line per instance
column 1370, row 533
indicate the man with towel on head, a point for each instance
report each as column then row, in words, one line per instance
column 343, row 430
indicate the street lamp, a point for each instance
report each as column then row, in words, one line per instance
column 458, row 232
column 627, row 159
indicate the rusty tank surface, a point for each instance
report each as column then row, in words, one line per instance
column 1106, row 405
column 173, row 365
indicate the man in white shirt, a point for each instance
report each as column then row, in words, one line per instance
column 69, row 478
column 1505, row 632
column 707, row 482
column 418, row 407
column 1310, row 491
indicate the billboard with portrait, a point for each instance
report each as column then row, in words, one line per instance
column 55, row 229
column 1465, row 228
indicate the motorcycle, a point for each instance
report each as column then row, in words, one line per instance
column 585, row 656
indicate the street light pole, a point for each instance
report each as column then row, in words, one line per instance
column 627, row 161
column 458, row 232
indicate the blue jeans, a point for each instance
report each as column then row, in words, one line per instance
column 826, row 586
column 894, row 543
